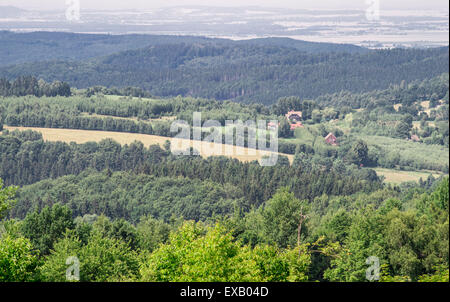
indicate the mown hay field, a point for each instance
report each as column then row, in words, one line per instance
column 206, row 149
column 398, row 176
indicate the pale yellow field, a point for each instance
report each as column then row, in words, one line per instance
column 425, row 104
column 163, row 118
column 206, row 149
column 416, row 124
column 397, row 176
column 397, row 106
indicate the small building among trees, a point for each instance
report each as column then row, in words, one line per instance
column 415, row 138
column 294, row 116
column 272, row 126
column 331, row 139
column 296, row 125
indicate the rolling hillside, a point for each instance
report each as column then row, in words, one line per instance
column 16, row 48
column 244, row 72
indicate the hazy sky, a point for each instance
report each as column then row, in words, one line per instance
column 306, row 4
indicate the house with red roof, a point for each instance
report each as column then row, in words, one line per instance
column 415, row 138
column 294, row 116
column 272, row 126
column 330, row 139
column 296, row 125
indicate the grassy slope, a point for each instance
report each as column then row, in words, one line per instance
column 408, row 149
column 395, row 176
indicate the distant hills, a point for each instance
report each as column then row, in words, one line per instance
column 312, row 47
column 260, row 70
column 40, row 46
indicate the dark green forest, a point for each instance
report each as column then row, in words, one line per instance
column 25, row 47
column 406, row 229
column 241, row 73
column 26, row 159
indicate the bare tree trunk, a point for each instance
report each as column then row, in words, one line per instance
column 299, row 231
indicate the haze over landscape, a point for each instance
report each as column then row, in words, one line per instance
column 400, row 23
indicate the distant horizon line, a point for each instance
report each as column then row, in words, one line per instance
column 37, row 9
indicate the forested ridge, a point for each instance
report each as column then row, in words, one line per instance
column 25, row 47
column 241, row 72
